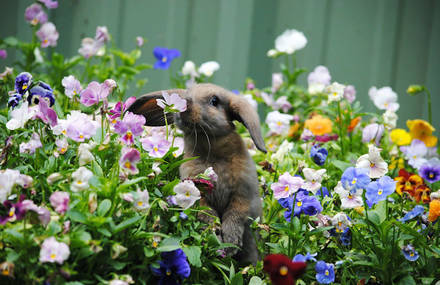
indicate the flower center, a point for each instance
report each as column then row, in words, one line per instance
column 63, row 150
column 155, row 148
column 114, row 121
column 286, row 188
column 64, row 132
column 299, row 203
column 279, row 123
column 327, row 273
column 127, row 164
column 53, row 256
column 408, row 184
column 284, row 270
column 5, row 272
column 372, row 165
column 81, row 136
column 354, row 181
column 431, row 175
column 335, row 94
column 129, row 135
column 164, row 59
column 168, row 272
column 79, row 182
column 45, row 41
column 24, row 87
column 411, row 254
column 11, row 212
column 380, row 192
column 350, row 196
column 415, row 156
column 187, row 194
column 139, row 203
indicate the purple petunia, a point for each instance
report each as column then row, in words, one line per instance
column 130, row 126
column 164, row 57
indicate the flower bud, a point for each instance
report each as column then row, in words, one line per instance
column 415, row 89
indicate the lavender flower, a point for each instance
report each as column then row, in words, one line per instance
column 50, row 4
column 41, row 91
column 410, row 253
column 46, row 114
column 72, row 86
column 156, row 146
column 141, row 200
column 286, row 186
column 430, row 170
column 119, row 108
column 318, row 79
column 372, row 132
column 79, row 126
column 415, row 153
column 129, row 158
column 35, row 14
column 31, row 145
column 60, row 201
column 22, row 82
column 3, row 53
column 164, row 57
column 48, row 35
column 90, row 47
column 325, row 272
column 102, row 34
column 355, row 178
column 54, row 251
column 350, row 93
column 173, row 101
column 130, row 126
column 140, row 41
column 380, row 189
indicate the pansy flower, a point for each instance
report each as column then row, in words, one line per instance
column 54, row 251
column 48, row 35
column 410, row 253
column 14, row 211
column 335, row 92
column 325, row 272
column 286, row 185
column 71, row 85
column 372, row 161
column 14, row 99
column 372, row 132
column 355, row 178
column 415, row 153
column 81, row 179
column 278, row 123
column 290, row 41
column 164, row 57
column 380, row 189
column 174, row 267
column 130, row 126
column 340, row 221
column 31, row 146
column 313, row 179
column 157, row 146
column 422, row 130
column 319, row 125
column 430, row 170
column 349, row 198
column 46, row 114
column 78, row 126
column 304, row 258
column 282, row 270
column 41, row 91
column 141, row 200
column 318, row 155
column 422, row 194
column 384, row 98
column 208, row 68
column 173, row 101
column 186, row 194
column 60, row 201
column 23, row 82
column 400, row 137
column 119, row 108
column 35, row 14
column 50, row 4
column 318, row 79
column 129, row 158
column 434, row 210
column 407, row 182
column 415, row 212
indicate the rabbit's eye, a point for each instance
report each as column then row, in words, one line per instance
column 214, row 101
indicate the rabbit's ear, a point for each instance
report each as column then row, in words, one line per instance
column 146, row 105
column 243, row 112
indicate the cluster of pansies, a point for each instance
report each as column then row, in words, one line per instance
column 90, row 195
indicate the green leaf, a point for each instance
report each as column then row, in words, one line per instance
column 11, row 41
column 130, row 182
column 407, row 280
column 77, row 216
column 237, row 279
column 103, row 207
column 169, row 244
column 53, row 228
column 193, row 253
column 127, row 223
column 342, row 165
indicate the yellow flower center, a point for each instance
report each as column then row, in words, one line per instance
column 24, row 86
column 284, row 270
column 327, row 273
column 372, row 165
column 335, row 94
column 74, row 92
column 354, row 181
column 11, row 212
column 299, row 203
column 174, row 154
column 81, row 136
column 79, row 182
column 379, row 192
column 164, row 59
column 5, row 272
column 408, row 184
column 45, row 41
column 114, row 121
column 155, row 244
column 34, row 21
column 187, row 194
column 411, row 254
column 168, row 272
column 53, row 256
column 64, row 132
column 350, row 196
column 414, row 156
column 63, row 150
column 279, row 123
column 286, row 188
column 139, row 203
column 155, row 148
column 129, row 135
column 431, row 175
column 127, row 164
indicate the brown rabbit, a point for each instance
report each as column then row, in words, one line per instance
column 209, row 134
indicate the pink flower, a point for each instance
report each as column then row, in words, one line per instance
column 96, row 92
column 3, row 53
column 139, row 41
column 48, row 35
column 173, row 101
column 46, row 114
column 102, row 34
column 90, row 47
column 54, row 251
column 129, row 158
column 156, row 146
column 286, row 185
column 60, row 201
column 50, row 4
column 42, row 212
column 31, row 145
column 35, row 14
column 283, row 104
column 119, row 109
column 129, row 127
column 72, row 86
column 62, row 145
column 79, row 126
column 350, row 93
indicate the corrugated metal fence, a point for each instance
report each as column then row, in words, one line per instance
column 364, row 43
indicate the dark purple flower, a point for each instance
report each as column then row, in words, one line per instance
column 14, row 100
column 345, row 237
column 3, row 53
column 318, row 155
column 14, row 212
column 173, row 268
column 41, row 90
column 430, row 170
column 22, row 82
column 308, row 205
column 35, row 14
column 164, row 57
column 129, row 158
column 115, row 113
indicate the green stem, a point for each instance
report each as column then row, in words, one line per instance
column 340, row 129
column 166, row 123
column 429, row 105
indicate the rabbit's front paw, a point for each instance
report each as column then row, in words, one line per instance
column 234, row 237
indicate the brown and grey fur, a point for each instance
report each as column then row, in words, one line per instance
column 210, row 135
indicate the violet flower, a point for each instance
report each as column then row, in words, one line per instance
column 96, row 92
column 31, row 145
column 50, row 4
column 140, row 41
column 174, row 101
column 372, row 132
column 130, row 126
column 60, row 201
column 48, row 35
column 156, row 146
column 286, row 185
column 430, row 170
column 3, row 53
column 22, row 82
column 35, row 14
column 46, row 114
column 14, row 211
column 72, row 86
column 119, row 108
column 14, row 100
column 42, row 212
column 129, row 158
column 89, row 47
column 54, row 251
column 102, row 34
column 164, row 57
column 79, row 126
column 41, row 90
column 415, row 153
column 350, row 93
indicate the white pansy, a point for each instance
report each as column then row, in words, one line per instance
column 186, row 194
column 80, row 179
column 189, row 68
column 373, row 162
column 278, row 123
column 390, row 119
column 8, row 178
column 208, row 68
column 313, row 179
column 84, row 154
column 141, row 200
column 349, row 200
column 19, row 116
column 384, row 98
column 290, row 41
column 335, row 92
column 250, row 99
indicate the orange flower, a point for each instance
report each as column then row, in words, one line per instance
column 353, row 123
column 422, row 194
column 293, row 130
column 422, row 130
column 434, row 210
column 407, row 182
column 319, row 125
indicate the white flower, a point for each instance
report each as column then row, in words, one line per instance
column 373, row 162
column 278, row 123
column 290, row 41
column 72, row 86
column 80, row 179
column 282, row 103
column 19, row 116
column 208, row 68
column 335, row 92
column 277, row 81
column 340, row 221
column 318, row 79
column 313, row 179
column 251, row 100
column 384, row 98
column 211, row 174
column 272, row 53
column 141, row 200
column 349, row 200
column 8, row 178
column 84, row 154
column 186, row 194
column 189, row 68
column 390, row 119
column 284, row 149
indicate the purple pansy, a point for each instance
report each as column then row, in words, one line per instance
column 60, row 201
column 140, row 41
column 318, row 155
column 130, row 126
column 31, row 145
column 54, row 251
column 115, row 113
column 41, row 90
column 72, row 86
column 35, row 14
column 286, row 186
column 22, row 82
column 129, row 158
column 355, row 178
column 415, row 212
column 173, row 268
column 164, row 57
column 325, row 272
column 157, row 146
column 46, row 114
column 14, row 100
column 14, row 211
column 308, row 205
column 48, row 35
column 430, row 170
column 79, row 126
column 308, row 257
column 96, row 92
column 102, row 34
column 415, row 153
column 410, row 253
column 372, row 132
column 50, row 4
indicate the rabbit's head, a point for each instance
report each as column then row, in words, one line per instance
column 210, row 109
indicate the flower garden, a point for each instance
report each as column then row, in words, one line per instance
column 90, row 195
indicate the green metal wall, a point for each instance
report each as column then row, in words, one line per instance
column 364, row 43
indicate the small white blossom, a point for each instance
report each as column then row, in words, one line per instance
column 290, row 41
column 186, row 194
column 335, row 92
column 373, row 162
column 208, row 68
column 313, row 179
column 80, row 179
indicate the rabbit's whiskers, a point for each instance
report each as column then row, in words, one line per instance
column 209, row 142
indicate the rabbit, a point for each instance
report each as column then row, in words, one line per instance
column 209, row 134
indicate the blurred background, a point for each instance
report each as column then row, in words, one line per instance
column 364, row 43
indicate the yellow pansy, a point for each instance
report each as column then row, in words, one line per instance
column 400, row 137
column 422, row 130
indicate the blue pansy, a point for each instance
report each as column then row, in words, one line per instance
column 22, row 82
column 355, row 178
column 318, row 155
column 345, row 237
column 410, row 253
column 14, row 100
column 323, row 192
column 183, row 216
column 380, row 189
column 417, row 211
column 173, row 268
column 41, row 90
column 301, row 258
column 164, row 57
column 325, row 272
column 308, row 205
